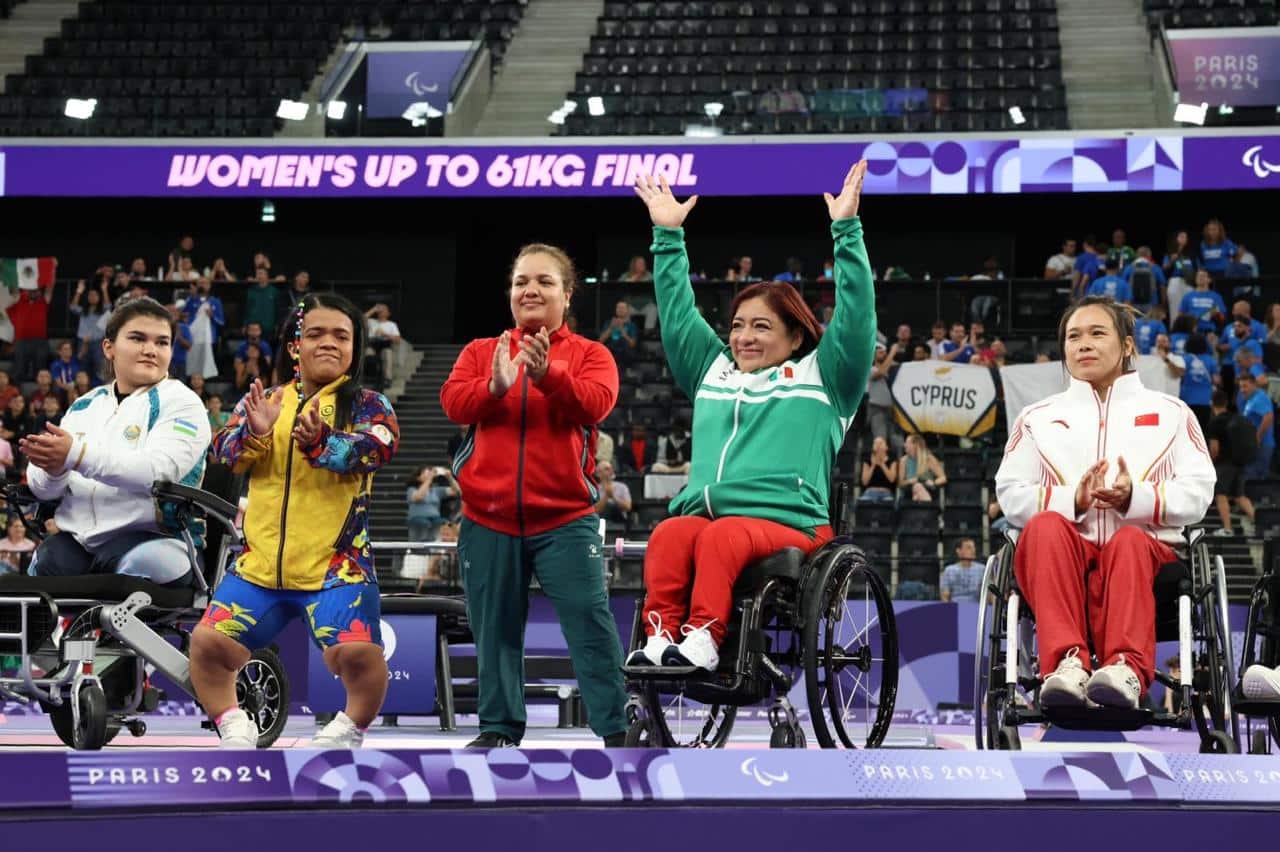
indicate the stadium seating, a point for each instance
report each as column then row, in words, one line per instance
column 853, row 66
column 160, row 68
column 1184, row 14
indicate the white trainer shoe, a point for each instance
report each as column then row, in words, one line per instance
column 651, row 653
column 237, row 730
column 1066, row 686
column 696, row 649
column 341, row 732
column 1115, row 685
column 1261, row 682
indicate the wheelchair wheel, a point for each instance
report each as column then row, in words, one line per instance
column 1211, row 635
column 262, row 691
column 850, row 652
column 674, row 721
column 787, row 736
column 94, row 730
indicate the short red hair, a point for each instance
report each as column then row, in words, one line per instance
column 785, row 301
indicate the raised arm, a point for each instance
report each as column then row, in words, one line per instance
column 236, row 445
column 847, row 346
column 371, row 443
column 691, row 345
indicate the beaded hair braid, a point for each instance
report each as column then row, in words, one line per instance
column 297, row 361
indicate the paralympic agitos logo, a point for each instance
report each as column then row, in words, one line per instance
column 1253, row 159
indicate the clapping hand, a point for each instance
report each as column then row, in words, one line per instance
column 262, row 410
column 47, row 450
column 664, row 210
column 845, row 205
column 1094, row 478
column 1118, row 495
column 505, row 368
column 535, row 354
column 308, row 425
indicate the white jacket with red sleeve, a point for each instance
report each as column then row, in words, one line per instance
column 1056, row 440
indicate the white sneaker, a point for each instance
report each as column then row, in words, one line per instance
column 697, row 649
column 1115, row 685
column 1065, row 687
column 1261, row 682
column 341, row 732
column 651, row 653
column 237, row 730
column 1222, row 532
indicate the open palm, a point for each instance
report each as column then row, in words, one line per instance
column 845, row 205
column 664, row 210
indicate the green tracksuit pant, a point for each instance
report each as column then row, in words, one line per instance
column 569, row 564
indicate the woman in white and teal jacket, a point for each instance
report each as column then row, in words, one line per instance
column 770, row 412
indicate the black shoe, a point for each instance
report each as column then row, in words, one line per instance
column 492, row 739
column 618, row 740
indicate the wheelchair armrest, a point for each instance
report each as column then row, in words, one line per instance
column 211, row 503
column 1194, row 534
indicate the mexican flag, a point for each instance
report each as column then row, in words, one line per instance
column 27, row 273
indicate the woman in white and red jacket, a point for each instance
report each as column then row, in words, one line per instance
column 1101, row 478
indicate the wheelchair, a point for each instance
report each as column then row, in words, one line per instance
column 1262, row 647
column 827, row 618
column 87, row 646
column 1191, row 607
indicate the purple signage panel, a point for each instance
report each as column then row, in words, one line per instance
column 409, row 646
column 1238, row 66
column 398, row 75
column 32, row 779
column 1226, row 778
column 133, row 778
column 934, row 167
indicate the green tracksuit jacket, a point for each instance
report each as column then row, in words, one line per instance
column 764, row 442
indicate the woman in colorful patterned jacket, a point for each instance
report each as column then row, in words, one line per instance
column 770, row 413
column 310, row 446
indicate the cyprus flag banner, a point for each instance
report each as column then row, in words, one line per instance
column 950, row 399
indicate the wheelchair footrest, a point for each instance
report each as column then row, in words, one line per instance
column 1256, row 707
column 666, row 673
column 1099, row 718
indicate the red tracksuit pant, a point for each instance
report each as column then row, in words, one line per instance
column 1060, row 574
column 720, row 549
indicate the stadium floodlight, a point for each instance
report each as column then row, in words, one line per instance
column 419, row 113
column 268, row 211
column 1016, row 116
column 713, row 109
column 1190, row 114
column 291, row 110
column 595, row 105
column 336, row 110
column 81, row 108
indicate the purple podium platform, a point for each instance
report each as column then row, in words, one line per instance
column 628, row 799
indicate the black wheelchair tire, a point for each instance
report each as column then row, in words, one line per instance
column 95, row 730
column 1218, row 742
column 1008, row 738
column 828, row 588
column 638, row 735
column 786, row 736
column 262, row 691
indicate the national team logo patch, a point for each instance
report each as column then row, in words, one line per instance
column 1147, row 420
column 326, row 411
column 132, row 432
column 382, row 434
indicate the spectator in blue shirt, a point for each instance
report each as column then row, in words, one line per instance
column 181, row 343
column 1146, row 280
column 1199, row 377
column 620, row 335
column 1181, row 329
column 1146, row 328
column 253, row 334
column 1248, row 359
column 64, row 367
column 962, row 580
column 1112, row 284
column 1240, row 334
column 794, row 273
column 1087, row 266
column 1204, row 303
column 958, row 348
column 1256, row 406
column 1180, row 270
column 1257, row 330
column 1216, row 251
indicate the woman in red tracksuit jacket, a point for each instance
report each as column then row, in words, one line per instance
column 533, row 398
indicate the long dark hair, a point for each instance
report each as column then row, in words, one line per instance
column 346, row 393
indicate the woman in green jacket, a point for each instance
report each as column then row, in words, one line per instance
column 770, row 412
